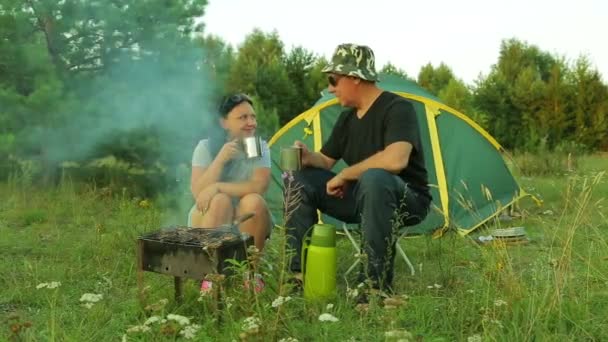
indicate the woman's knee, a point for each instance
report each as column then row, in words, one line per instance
column 220, row 202
column 252, row 202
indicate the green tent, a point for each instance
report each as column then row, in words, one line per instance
column 470, row 182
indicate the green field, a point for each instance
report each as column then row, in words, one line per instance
column 554, row 288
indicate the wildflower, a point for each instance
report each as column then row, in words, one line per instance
column 499, row 303
column 352, row 293
column 434, row 286
column 287, row 175
column 151, row 320
column 138, row 328
column 280, row 301
column 398, row 335
column 158, row 306
column 474, row 338
column 91, row 297
column 497, row 322
column 325, row 317
column 288, row 339
column 229, row 301
column 329, row 306
column 251, row 324
column 144, row 203
column 190, row 331
column 51, row 285
column 179, row 319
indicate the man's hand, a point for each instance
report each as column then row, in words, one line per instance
column 203, row 200
column 228, row 151
column 305, row 152
column 336, row 186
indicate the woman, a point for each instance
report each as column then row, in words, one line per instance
column 225, row 183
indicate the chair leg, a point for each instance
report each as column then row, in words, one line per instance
column 355, row 246
column 407, row 260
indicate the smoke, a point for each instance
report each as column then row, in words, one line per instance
column 149, row 111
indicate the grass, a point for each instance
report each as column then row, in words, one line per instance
column 552, row 289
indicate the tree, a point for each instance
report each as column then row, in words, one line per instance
column 391, row 69
column 307, row 80
column 260, row 70
column 591, row 105
column 434, row 79
column 456, row 95
column 92, row 35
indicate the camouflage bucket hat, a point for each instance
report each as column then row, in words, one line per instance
column 353, row 60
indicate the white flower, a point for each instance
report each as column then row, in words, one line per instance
column 54, row 285
column 51, row 285
column 229, row 302
column 352, row 293
column 91, row 297
column 499, row 302
column 251, row 323
column 474, row 338
column 280, row 301
column 400, row 335
column 151, row 320
column 189, row 331
column 329, row 306
column 288, row 339
column 325, row 317
column 138, row 328
column 88, row 305
column 179, row 319
column 435, row 286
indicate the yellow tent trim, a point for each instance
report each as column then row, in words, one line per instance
column 318, row 135
column 437, row 158
column 308, row 116
column 522, row 194
column 458, row 114
column 432, row 108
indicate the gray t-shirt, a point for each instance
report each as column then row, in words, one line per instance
column 241, row 167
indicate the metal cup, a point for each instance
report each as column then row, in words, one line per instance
column 252, row 146
column 291, row 158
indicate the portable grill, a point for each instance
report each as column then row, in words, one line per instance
column 185, row 252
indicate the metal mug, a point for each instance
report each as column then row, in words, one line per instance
column 291, row 158
column 252, row 146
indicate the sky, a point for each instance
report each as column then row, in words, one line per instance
column 464, row 34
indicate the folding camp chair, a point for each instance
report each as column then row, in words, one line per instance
column 357, row 246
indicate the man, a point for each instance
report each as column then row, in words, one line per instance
column 384, row 186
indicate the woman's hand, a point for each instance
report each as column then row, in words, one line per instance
column 228, row 151
column 203, row 200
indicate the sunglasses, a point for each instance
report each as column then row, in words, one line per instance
column 333, row 80
column 232, row 101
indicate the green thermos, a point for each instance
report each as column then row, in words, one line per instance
column 319, row 261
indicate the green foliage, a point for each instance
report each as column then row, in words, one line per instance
column 531, row 95
column 391, row 69
column 435, row 79
column 82, row 237
column 78, row 79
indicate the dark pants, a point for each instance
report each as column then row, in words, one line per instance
column 380, row 201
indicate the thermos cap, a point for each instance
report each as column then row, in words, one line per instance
column 323, row 235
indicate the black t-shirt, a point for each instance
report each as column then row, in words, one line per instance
column 391, row 118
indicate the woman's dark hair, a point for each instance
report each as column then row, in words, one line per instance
column 217, row 135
